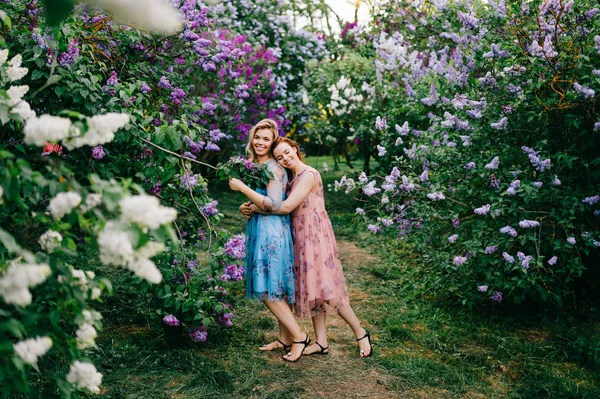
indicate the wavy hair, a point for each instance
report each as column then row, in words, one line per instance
column 268, row 124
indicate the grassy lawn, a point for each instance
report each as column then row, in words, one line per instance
column 425, row 348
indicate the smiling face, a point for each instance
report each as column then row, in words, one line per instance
column 262, row 141
column 286, row 155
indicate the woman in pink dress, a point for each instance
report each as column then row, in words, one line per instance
column 320, row 283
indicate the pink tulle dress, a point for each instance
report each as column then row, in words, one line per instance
column 320, row 283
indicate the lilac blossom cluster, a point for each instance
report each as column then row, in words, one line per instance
column 236, row 246
column 232, row 273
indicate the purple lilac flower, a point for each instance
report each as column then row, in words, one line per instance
column 145, row 88
column 192, row 264
column 156, row 189
column 537, row 184
column 501, row 124
column 164, row 83
column 495, row 52
column 556, row 181
column 528, row 223
column 453, row 238
column 456, row 222
column 493, row 164
column 189, row 155
column 233, row 273
column 188, row 181
column 591, row 200
column 210, row 208
column 436, row 196
column 507, row 257
column 571, row 240
column 68, row 57
column 460, row 260
column 177, row 95
column 491, row 249
column 381, row 123
column 483, row 210
column 584, row 91
column 591, row 13
column 482, row 288
column 468, row 20
column 112, row 80
column 470, row 165
column 225, row 320
column 360, row 211
column 241, row 91
column 235, row 246
column 373, row 228
column 552, row 260
column 199, row 335
column 171, row 320
column 212, row 147
column 508, row 230
column 370, row 189
column 98, row 152
column 497, row 296
column 524, row 259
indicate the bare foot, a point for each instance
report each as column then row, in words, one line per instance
column 275, row 345
column 364, row 344
column 317, row 348
column 298, row 348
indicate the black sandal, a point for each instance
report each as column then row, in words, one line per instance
column 367, row 336
column 306, row 342
column 322, row 351
column 286, row 348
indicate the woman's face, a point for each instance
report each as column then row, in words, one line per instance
column 286, row 155
column 262, row 141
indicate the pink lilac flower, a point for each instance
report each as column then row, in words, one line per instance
column 482, row 288
column 571, row 240
column 453, row 238
column 507, row 257
column 98, row 152
column 508, row 230
column 497, row 296
column 552, row 260
column 171, row 320
column 483, row 210
column 460, row 260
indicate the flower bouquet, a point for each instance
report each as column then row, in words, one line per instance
column 245, row 170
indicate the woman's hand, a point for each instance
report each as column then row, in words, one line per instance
column 236, row 184
column 246, row 209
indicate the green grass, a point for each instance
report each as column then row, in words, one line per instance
column 424, row 346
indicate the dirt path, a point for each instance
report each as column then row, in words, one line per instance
column 342, row 374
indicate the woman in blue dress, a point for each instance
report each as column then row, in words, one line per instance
column 269, row 263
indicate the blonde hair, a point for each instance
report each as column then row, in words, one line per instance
column 268, row 124
column 292, row 143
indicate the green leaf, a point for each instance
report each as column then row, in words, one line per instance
column 9, row 242
column 57, row 10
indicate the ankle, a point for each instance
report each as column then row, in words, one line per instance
column 301, row 336
column 361, row 332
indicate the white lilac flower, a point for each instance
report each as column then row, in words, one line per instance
column 114, row 246
column 381, row 123
column 14, row 70
column 483, row 210
column 86, row 335
column 49, row 240
column 385, row 200
column 155, row 15
column 403, row 131
column 571, row 240
column 438, row 196
column 452, row 238
column 23, row 110
column 101, row 130
column 482, row 288
column 381, row 151
column 46, row 128
column 31, row 349
column 325, row 167
column 493, row 163
column 3, row 56
column 64, row 203
column 15, row 283
column 15, row 93
column 84, row 376
column 145, row 269
column 91, row 201
column 424, row 176
column 146, row 211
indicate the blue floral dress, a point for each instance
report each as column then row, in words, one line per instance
column 269, row 263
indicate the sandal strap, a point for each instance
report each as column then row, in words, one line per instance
column 283, row 344
column 321, row 346
column 367, row 335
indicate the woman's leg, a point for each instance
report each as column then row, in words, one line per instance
column 283, row 313
column 320, row 325
column 284, row 339
column 349, row 317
